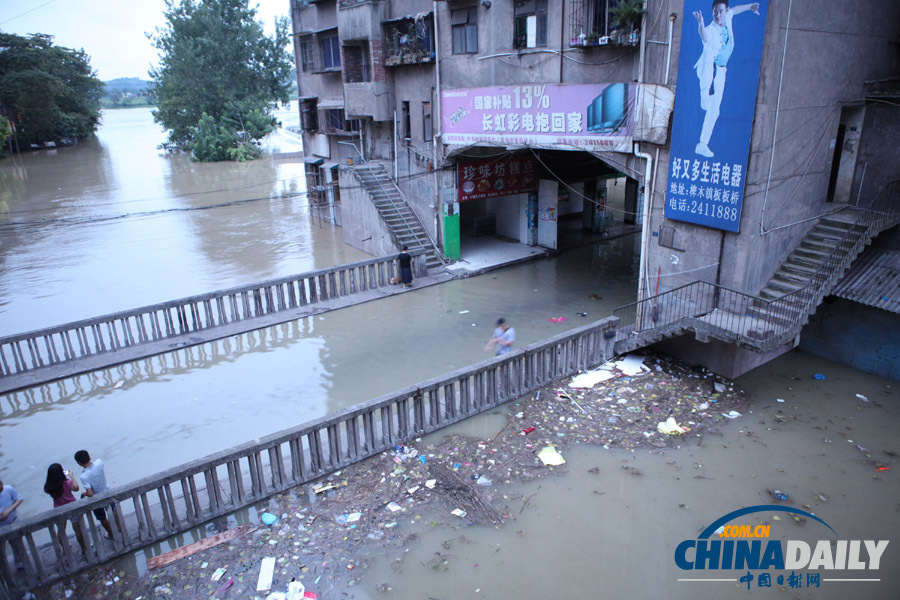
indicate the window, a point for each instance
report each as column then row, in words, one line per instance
column 352, row 125
column 331, row 52
column 464, row 24
column 531, row 23
column 336, row 121
column 406, row 131
column 307, row 56
column 427, row 132
column 309, row 116
column 409, row 41
column 590, row 20
column 315, row 191
column 357, row 63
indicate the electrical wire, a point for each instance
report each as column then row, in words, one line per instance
column 16, row 226
column 591, row 200
column 186, row 195
column 27, row 11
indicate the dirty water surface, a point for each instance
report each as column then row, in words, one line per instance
column 480, row 510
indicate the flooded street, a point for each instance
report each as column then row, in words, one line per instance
column 134, row 226
column 114, row 224
column 600, row 531
column 207, row 398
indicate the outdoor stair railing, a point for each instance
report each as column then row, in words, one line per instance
column 185, row 497
column 377, row 179
column 178, row 319
column 711, row 310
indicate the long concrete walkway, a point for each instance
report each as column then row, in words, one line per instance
column 38, row 357
column 85, row 364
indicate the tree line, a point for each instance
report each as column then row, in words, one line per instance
column 215, row 89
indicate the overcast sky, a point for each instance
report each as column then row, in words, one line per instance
column 112, row 32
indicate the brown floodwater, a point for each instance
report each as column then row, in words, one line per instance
column 115, row 223
column 612, row 534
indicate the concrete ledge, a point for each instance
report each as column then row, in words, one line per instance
column 78, row 366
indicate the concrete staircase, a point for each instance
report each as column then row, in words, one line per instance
column 395, row 212
column 833, row 240
column 775, row 317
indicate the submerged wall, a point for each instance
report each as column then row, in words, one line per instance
column 863, row 337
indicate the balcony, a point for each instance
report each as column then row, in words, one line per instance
column 409, row 41
column 368, row 99
column 409, row 56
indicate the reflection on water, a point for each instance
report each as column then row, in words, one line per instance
column 193, row 402
column 115, row 223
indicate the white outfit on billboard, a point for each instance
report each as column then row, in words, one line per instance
column 711, row 71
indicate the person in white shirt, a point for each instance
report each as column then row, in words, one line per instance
column 718, row 44
column 504, row 336
column 93, row 480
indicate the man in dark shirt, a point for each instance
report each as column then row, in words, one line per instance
column 405, row 267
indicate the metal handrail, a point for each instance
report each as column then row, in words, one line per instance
column 728, row 314
column 377, row 179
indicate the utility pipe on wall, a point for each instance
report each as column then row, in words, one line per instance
column 437, row 157
column 672, row 18
column 396, row 149
column 648, row 182
column 645, row 220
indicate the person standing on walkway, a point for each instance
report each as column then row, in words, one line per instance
column 405, row 267
column 10, row 499
column 93, row 478
column 59, row 486
column 504, row 336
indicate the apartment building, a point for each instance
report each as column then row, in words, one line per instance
column 547, row 141
column 539, row 122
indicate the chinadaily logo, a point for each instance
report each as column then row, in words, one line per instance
column 730, row 545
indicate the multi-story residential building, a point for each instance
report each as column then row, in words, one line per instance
column 435, row 123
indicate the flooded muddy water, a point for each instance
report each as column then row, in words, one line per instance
column 600, row 531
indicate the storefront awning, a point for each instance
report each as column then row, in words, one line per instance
column 313, row 160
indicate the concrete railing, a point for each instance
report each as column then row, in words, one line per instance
column 54, row 346
column 176, row 500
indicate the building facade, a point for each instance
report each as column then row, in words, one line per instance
column 539, row 121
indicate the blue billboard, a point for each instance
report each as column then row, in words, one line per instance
column 718, row 72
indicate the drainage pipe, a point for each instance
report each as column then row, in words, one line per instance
column 645, row 220
column 437, row 158
column 672, row 18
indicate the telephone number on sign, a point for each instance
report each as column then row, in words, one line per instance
column 707, row 209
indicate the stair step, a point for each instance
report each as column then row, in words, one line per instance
column 788, row 278
column 823, row 238
column 798, row 269
column 808, row 257
column 785, row 287
column 782, row 319
column 779, row 307
column 834, row 228
column 816, row 245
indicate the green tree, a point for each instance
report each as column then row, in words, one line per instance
column 219, row 78
column 50, row 92
column 5, row 132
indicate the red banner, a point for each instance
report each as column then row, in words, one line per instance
column 494, row 177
